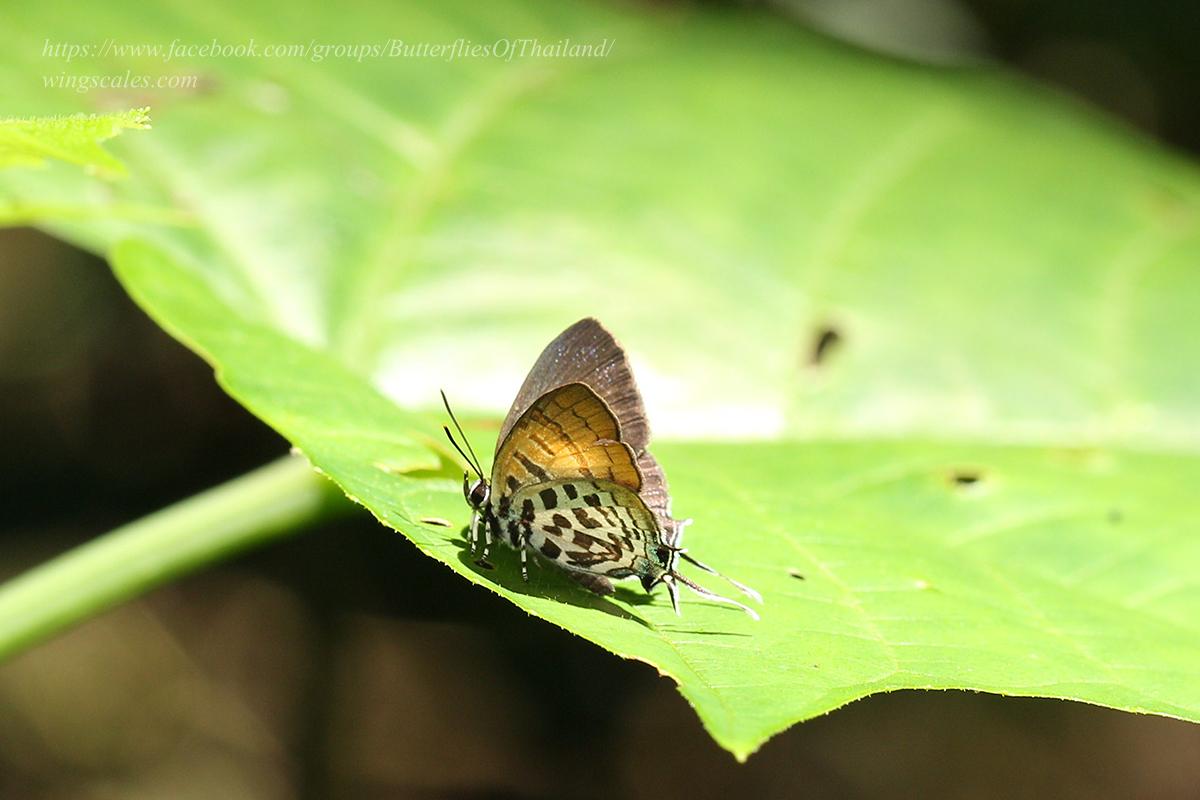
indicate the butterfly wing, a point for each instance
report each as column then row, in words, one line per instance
column 587, row 353
column 656, row 497
column 566, row 433
column 595, row 527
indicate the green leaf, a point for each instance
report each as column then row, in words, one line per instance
column 74, row 139
column 920, row 337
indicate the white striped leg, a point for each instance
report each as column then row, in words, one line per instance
column 525, row 534
column 487, row 543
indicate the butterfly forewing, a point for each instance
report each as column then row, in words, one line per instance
column 586, row 353
column 567, row 433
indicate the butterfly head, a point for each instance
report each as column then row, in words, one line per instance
column 658, row 566
column 477, row 492
column 662, row 557
column 661, row 565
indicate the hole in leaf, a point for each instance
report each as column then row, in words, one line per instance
column 825, row 339
column 966, row 478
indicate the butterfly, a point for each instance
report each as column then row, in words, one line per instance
column 572, row 480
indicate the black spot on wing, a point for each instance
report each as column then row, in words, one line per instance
column 549, row 498
column 570, row 490
column 584, row 519
column 586, row 559
column 550, row 550
column 584, row 540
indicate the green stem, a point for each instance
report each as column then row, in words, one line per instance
column 271, row 501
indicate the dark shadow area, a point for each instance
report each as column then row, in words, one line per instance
column 504, row 569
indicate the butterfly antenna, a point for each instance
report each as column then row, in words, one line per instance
column 716, row 598
column 741, row 587
column 450, row 436
column 474, row 459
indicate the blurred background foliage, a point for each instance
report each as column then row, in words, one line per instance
column 335, row 664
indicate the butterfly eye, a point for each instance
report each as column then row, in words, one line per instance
column 663, row 554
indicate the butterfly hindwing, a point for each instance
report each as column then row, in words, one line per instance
column 567, row 433
column 592, row 526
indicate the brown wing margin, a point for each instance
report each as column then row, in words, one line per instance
column 587, row 353
column 567, row 433
column 656, row 497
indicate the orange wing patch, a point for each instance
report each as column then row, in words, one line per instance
column 567, row 433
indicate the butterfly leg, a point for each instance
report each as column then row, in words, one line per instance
column 490, row 531
column 526, row 533
column 473, row 533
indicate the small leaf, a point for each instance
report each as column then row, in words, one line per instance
column 74, row 139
